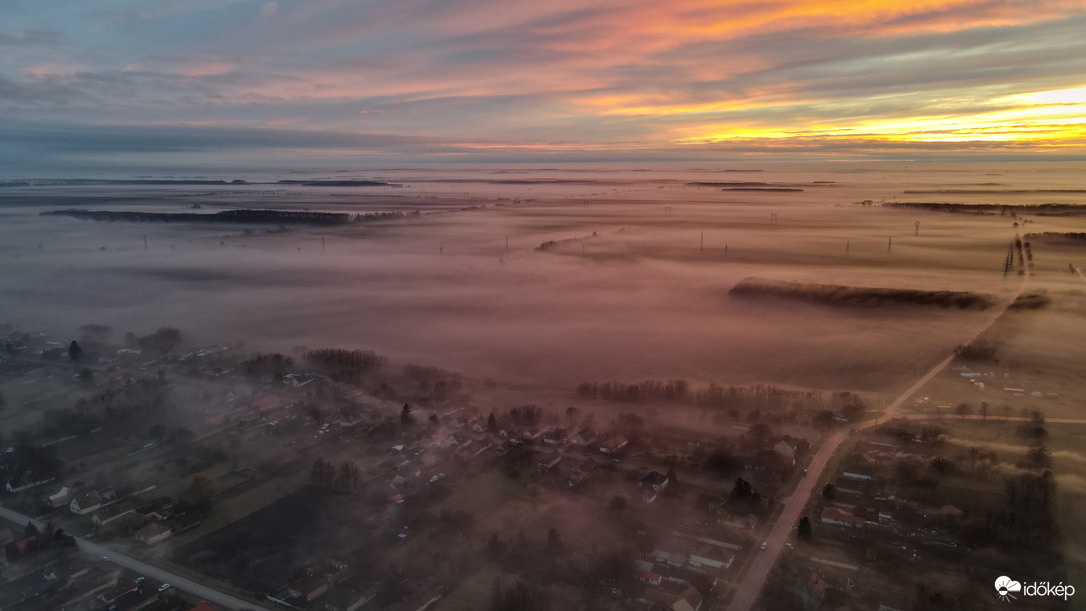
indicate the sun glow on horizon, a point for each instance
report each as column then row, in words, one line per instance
column 1048, row 118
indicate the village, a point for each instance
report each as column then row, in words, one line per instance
column 331, row 480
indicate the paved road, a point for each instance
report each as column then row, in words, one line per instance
column 143, row 568
column 755, row 578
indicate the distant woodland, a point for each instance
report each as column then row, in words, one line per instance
column 278, row 217
column 1001, row 209
column 851, row 296
column 1070, row 236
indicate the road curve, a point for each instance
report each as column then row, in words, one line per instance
column 176, row 581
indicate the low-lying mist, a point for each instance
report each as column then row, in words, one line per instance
column 645, row 297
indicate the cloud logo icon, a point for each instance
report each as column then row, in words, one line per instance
column 1005, row 586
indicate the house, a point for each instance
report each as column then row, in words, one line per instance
column 134, row 601
column 583, row 437
column 673, row 559
column 298, row 380
column 548, row 462
column 688, row 599
column 122, row 587
column 153, row 533
column 265, row 403
column 809, row 592
column 654, row 481
column 450, row 441
column 18, row 484
column 85, row 502
column 329, row 569
column 307, row 588
column 653, row 579
column 861, row 472
column 840, row 517
column 786, row 449
column 113, row 512
column 580, row 472
column 125, row 523
column 879, row 449
column 60, row 498
column 710, row 556
column 182, row 522
column 339, row 599
column 613, row 444
column 554, row 437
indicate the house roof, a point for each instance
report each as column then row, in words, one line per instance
column 87, row 498
column 840, row 515
column 785, row 447
column 152, row 529
column 340, row 598
column 648, row 576
column 653, row 478
column 615, row 441
column 714, row 552
column 689, row 598
column 586, row 434
column 265, row 402
column 816, row 584
column 308, row 585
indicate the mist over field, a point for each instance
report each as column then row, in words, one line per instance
column 634, row 282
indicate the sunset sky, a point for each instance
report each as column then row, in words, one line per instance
column 94, row 84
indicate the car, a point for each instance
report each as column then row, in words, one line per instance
column 140, row 579
column 164, row 587
column 763, row 545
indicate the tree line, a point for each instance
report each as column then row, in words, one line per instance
column 346, row 365
column 759, row 396
column 346, row 478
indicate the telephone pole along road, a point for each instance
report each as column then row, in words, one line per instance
column 176, row 581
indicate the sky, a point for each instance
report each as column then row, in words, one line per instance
column 94, row 86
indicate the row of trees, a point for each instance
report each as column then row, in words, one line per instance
column 347, row 478
column 755, row 397
column 648, row 390
column 145, row 394
column 268, row 364
column 346, row 365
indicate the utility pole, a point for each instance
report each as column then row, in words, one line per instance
column 322, row 244
column 846, row 248
column 145, row 241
